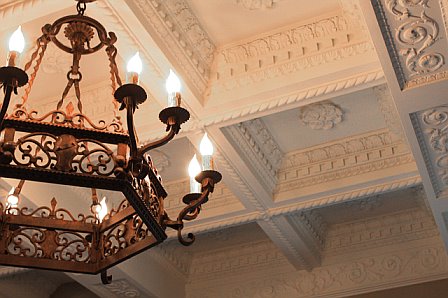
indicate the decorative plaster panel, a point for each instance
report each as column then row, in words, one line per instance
column 349, row 157
column 412, row 33
column 355, row 275
column 431, row 129
column 287, row 99
column 380, row 231
column 181, row 34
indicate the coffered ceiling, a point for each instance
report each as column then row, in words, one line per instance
column 323, row 169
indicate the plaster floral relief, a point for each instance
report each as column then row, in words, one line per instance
column 321, row 115
column 411, row 29
column 256, row 4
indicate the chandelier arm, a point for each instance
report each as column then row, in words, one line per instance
column 131, row 128
column 191, row 208
column 153, row 145
column 8, row 89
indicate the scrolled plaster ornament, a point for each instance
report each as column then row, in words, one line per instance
column 256, row 4
column 321, row 115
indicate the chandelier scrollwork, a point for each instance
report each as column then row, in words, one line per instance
column 64, row 146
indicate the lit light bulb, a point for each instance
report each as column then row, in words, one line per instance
column 173, row 88
column 134, row 68
column 206, row 149
column 206, row 146
column 17, row 41
column 194, row 168
column 102, row 209
column 12, row 199
column 16, row 46
column 172, row 83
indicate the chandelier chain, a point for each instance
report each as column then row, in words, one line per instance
column 81, row 7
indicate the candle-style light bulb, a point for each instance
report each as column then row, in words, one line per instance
column 134, row 68
column 206, row 148
column 173, row 88
column 12, row 200
column 16, row 46
column 102, row 212
column 194, row 168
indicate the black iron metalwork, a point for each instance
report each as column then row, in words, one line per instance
column 65, row 147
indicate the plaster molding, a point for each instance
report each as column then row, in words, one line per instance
column 292, row 242
column 357, row 155
column 244, row 76
column 257, row 145
column 411, row 33
column 431, row 129
column 256, row 4
column 11, row 9
column 126, row 38
column 288, row 99
column 352, row 11
column 244, row 190
column 322, row 115
column 182, row 35
column 346, row 196
column 380, row 270
column 389, row 110
column 230, row 220
column 123, row 288
column 380, row 231
column 247, row 257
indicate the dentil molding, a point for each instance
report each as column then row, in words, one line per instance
column 356, row 155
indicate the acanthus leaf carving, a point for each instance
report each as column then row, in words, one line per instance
column 323, row 115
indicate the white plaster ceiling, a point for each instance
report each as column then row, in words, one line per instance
column 361, row 114
column 227, row 21
column 372, row 206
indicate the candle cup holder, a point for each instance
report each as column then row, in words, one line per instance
column 135, row 92
column 13, row 76
column 208, row 177
column 174, row 115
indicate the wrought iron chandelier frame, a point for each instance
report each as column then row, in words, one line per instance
column 66, row 147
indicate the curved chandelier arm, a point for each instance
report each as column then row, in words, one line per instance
column 173, row 117
column 153, row 145
column 190, row 212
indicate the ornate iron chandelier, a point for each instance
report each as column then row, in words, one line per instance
column 64, row 146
